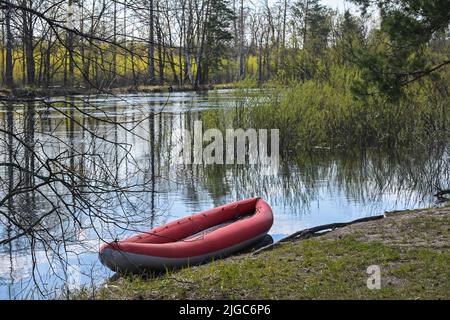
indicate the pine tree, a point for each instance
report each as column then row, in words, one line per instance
column 399, row 51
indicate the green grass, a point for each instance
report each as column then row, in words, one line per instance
column 328, row 267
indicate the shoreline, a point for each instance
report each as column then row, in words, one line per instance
column 21, row 93
column 411, row 248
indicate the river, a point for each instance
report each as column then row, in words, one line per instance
column 133, row 139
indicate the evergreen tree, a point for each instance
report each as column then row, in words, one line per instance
column 217, row 37
column 399, row 53
column 315, row 24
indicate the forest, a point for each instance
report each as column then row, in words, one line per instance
column 104, row 44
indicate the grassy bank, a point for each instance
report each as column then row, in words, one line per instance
column 412, row 249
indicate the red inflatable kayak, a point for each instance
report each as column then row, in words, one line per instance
column 202, row 237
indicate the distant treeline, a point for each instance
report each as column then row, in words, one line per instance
column 113, row 43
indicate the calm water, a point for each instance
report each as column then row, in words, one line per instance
column 136, row 137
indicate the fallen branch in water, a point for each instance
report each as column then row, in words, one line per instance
column 440, row 194
column 314, row 232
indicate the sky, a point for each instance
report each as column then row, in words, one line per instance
column 341, row 5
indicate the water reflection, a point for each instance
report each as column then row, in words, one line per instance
column 134, row 141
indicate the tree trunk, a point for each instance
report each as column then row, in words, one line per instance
column 202, row 74
column 260, row 60
column 114, row 64
column 9, row 75
column 160, row 46
column 151, row 46
column 27, row 21
column 168, row 51
column 305, row 23
column 187, row 47
column 69, row 46
column 242, row 62
column 47, row 72
column 125, row 56
column 2, row 51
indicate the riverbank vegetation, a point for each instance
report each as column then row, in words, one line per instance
column 411, row 249
column 325, row 114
